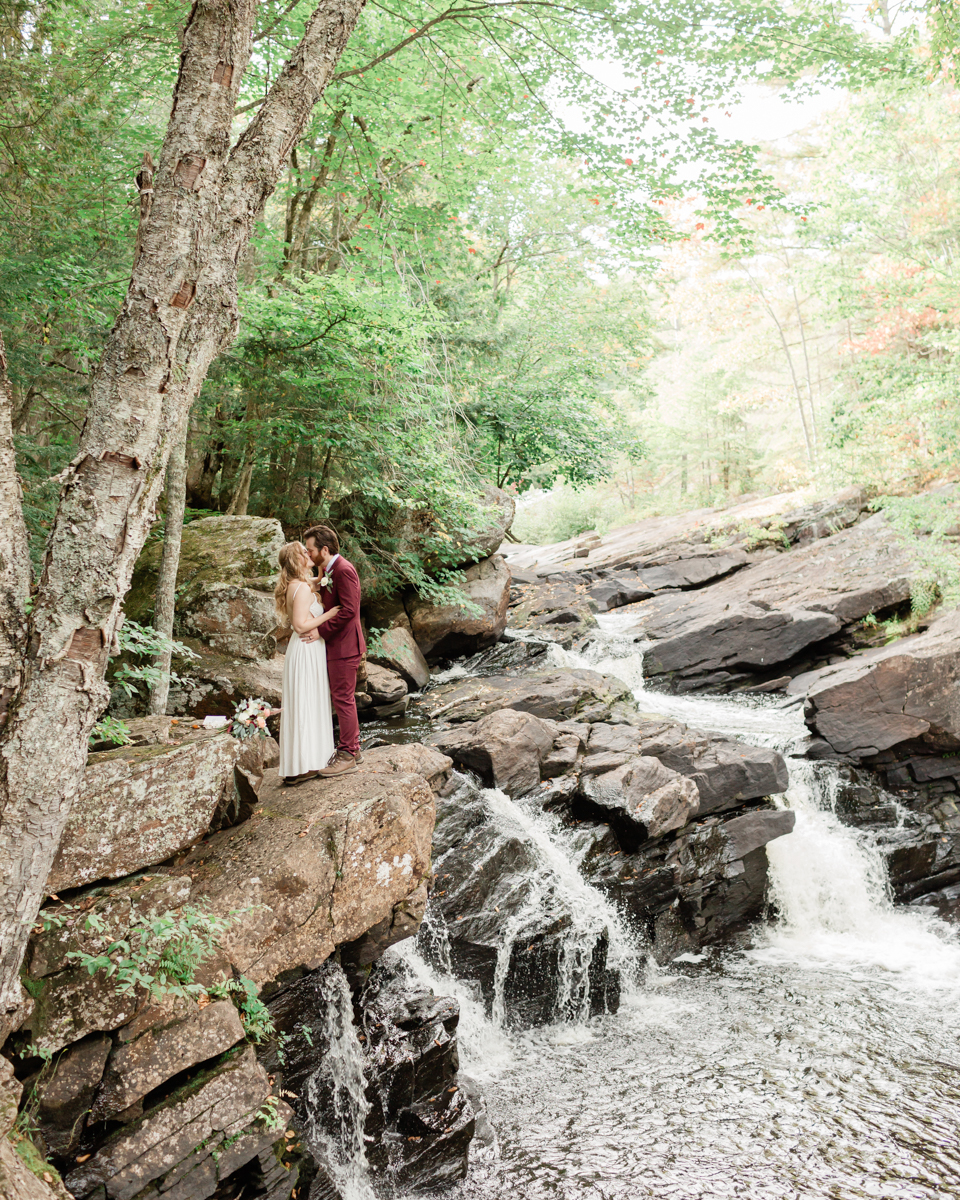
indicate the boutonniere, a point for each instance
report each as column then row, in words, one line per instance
column 326, row 581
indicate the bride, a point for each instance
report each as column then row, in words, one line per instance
column 306, row 720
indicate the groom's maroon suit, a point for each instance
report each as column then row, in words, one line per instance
column 345, row 648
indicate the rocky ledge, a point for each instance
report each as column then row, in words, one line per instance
column 146, row 1064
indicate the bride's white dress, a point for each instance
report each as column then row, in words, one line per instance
column 306, row 718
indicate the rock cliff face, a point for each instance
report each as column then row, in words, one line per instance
column 140, row 1074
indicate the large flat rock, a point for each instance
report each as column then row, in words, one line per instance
column 554, row 695
column 881, row 698
column 140, row 804
column 669, row 541
column 319, row 864
column 769, row 612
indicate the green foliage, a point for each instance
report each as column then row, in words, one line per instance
column 138, row 642
column 111, row 729
column 929, row 526
column 269, row 1115
column 256, row 1018
column 162, row 953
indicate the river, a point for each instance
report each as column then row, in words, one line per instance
column 821, row 1061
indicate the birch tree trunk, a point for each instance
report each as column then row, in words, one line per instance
column 180, row 312
column 164, row 612
column 14, row 558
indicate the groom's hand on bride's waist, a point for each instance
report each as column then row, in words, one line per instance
column 310, row 636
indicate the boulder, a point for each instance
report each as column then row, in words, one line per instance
column 138, row 805
column 383, row 685
column 726, row 773
column 190, row 1141
column 505, row 748
column 500, row 508
column 619, row 590
column 319, row 864
column 556, row 695
column 882, row 698
column 183, row 1035
column 446, row 630
column 767, row 613
column 225, row 580
column 215, row 683
column 234, row 620
column 399, row 651
column 643, row 799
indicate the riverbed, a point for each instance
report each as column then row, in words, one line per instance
column 820, row 1058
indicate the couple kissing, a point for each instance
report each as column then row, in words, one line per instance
column 320, row 667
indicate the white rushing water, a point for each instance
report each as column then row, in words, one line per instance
column 821, row 1062
column 336, row 1103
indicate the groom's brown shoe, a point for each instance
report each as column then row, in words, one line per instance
column 342, row 763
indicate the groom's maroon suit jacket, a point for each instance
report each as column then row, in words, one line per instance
column 343, row 633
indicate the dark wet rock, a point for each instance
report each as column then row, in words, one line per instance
column 883, row 698
column 510, row 654
column 447, row 630
column 488, row 878
column 768, row 613
column 421, row 1122
column 696, row 888
column 559, row 695
column 138, row 805
column 65, row 1091
column 505, row 748
column 642, row 798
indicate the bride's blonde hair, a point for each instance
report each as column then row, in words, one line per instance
column 292, row 567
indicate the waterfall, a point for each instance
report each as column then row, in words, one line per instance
column 828, row 882
column 557, row 882
column 335, row 1096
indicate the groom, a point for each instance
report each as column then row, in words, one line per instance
column 339, row 583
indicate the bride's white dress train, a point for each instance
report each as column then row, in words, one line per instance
column 306, row 719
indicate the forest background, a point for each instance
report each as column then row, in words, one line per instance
column 389, row 254
column 513, row 247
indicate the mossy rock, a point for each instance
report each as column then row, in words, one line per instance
column 241, row 551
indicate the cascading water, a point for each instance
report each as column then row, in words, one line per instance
column 821, row 1063
column 335, row 1099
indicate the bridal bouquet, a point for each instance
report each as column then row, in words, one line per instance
column 250, row 719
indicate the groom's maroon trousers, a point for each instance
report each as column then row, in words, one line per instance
column 345, row 649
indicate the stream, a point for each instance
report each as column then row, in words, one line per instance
column 822, row 1061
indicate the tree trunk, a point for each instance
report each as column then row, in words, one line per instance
column 14, row 558
column 241, row 494
column 180, row 312
column 169, row 562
